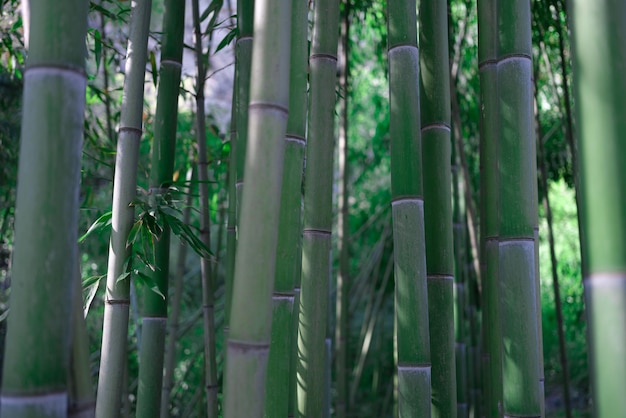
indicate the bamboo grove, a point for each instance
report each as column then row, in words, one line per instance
column 328, row 208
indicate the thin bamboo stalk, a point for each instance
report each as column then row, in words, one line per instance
column 117, row 297
column 174, row 319
column 492, row 335
column 151, row 354
column 206, row 270
column 553, row 265
column 281, row 373
column 436, row 152
column 317, row 223
column 460, row 296
column 343, row 225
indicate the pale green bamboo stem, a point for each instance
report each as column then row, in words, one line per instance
column 316, row 244
column 255, row 264
column 151, row 354
column 521, row 344
column 117, row 296
column 600, row 91
column 413, row 342
column 36, row 361
column 435, row 127
column 280, row 382
column 206, row 270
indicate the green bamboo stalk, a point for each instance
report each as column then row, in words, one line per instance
column 522, row 392
column 206, row 270
column 316, row 240
column 473, row 349
column 435, row 129
column 343, row 225
column 151, row 354
column 553, row 264
column 231, row 229
column 255, row 263
column 37, row 355
column 173, row 320
column 281, row 373
column 599, row 87
column 413, row 342
column 489, row 125
column 460, row 296
column 243, row 57
column 117, row 297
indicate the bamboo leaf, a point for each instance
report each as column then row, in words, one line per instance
column 184, row 232
column 122, row 276
column 97, row 48
column 148, row 282
column 90, row 281
column 98, row 225
column 227, row 39
column 155, row 73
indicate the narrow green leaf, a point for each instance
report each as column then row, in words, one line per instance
column 148, row 282
column 122, row 277
column 227, row 39
column 98, row 225
column 91, row 294
column 155, row 72
column 133, row 235
column 97, row 48
column 90, row 281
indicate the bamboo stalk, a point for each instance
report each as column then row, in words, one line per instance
column 36, row 361
column 255, row 264
column 413, row 342
column 117, row 297
column 600, row 93
column 520, row 315
column 317, row 222
column 206, row 270
column 343, row 227
column 151, row 354
column 174, row 319
column 281, row 374
column 436, row 152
